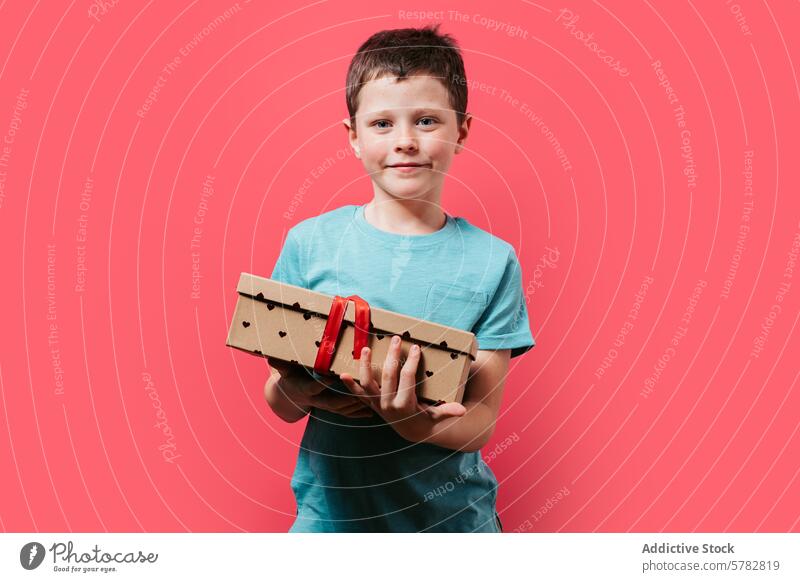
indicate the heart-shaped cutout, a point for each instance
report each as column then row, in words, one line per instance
column 246, row 323
column 282, row 333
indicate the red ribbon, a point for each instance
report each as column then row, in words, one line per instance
column 330, row 337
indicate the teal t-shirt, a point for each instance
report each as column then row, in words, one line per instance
column 358, row 474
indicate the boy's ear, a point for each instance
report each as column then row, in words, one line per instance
column 463, row 132
column 352, row 136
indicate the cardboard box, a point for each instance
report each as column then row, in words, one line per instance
column 286, row 322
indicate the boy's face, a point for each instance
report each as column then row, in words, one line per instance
column 407, row 122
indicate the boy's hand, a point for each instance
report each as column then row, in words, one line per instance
column 395, row 399
column 304, row 390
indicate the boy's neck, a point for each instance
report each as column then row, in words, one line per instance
column 409, row 217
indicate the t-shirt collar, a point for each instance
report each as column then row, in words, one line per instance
column 407, row 240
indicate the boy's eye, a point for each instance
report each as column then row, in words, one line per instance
column 380, row 123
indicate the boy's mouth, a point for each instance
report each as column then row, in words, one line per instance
column 409, row 165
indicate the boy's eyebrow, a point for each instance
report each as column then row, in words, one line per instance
column 413, row 112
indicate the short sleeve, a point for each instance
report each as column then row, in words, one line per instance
column 288, row 267
column 504, row 323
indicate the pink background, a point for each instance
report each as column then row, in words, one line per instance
column 255, row 102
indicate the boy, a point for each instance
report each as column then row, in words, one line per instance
column 373, row 458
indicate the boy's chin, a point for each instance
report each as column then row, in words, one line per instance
column 398, row 194
column 409, row 190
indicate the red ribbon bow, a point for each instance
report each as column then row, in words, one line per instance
column 330, row 337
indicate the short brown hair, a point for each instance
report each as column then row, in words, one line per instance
column 403, row 52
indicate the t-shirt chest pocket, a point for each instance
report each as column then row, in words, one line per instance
column 454, row 305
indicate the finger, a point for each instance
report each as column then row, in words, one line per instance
column 323, row 401
column 446, row 410
column 332, row 402
column 356, row 390
column 369, row 391
column 389, row 374
column 406, row 398
column 365, row 376
column 354, row 405
column 311, row 387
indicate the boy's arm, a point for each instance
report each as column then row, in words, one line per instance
column 291, row 393
column 283, row 406
column 482, row 397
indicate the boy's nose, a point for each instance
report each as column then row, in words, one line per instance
column 405, row 142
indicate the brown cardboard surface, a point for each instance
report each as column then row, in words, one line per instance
column 286, row 322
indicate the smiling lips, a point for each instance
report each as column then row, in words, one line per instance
column 408, row 167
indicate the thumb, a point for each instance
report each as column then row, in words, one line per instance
column 446, row 410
